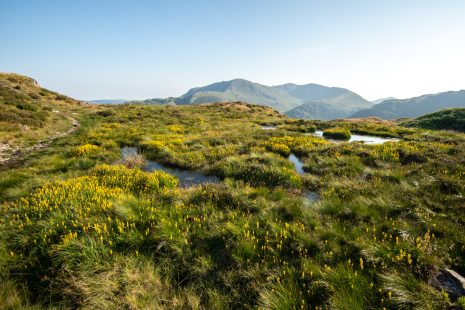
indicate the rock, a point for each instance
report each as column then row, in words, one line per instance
column 449, row 281
column 4, row 147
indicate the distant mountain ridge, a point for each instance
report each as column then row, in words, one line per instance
column 382, row 99
column 291, row 99
column 108, row 101
column 240, row 90
column 414, row 107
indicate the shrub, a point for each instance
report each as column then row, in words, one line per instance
column 27, row 106
column 279, row 148
column 85, row 150
column 461, row 303
column 337, row 133
column 154, row 147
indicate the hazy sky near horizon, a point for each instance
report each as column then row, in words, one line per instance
column 96, row 49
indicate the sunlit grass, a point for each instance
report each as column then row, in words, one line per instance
column 80, row 230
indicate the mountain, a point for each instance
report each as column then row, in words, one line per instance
column 108, row 101
column 414, row 107
column 330, row 102
column 381, row 100
column 315, row 92
column 319, row 110
column 240, row 90
column 449, row 119
column 321, row 102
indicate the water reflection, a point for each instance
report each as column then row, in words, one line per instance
column 359, row 138
column 311, row 196
column 186, row 177
column 298, row 164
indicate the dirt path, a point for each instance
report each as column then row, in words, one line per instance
column 11, row 158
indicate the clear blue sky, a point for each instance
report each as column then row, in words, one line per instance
column 93, row 49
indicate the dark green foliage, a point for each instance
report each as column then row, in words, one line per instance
column 450, row 119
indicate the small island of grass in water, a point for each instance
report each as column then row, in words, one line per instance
column 337, row 133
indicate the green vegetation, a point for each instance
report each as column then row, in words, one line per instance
column 31, row 117
column 80, row 228
column 449, row 119
column 461, row 303
column 337, row 133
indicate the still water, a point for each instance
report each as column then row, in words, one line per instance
column 186, row 177
column 359, row 138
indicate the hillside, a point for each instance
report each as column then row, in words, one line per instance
column 415, row 107
column 449, row 119
column 239, row 90
column 336, row 102
column 30, row 114
column 341, row 106
column 322, row 102
column 319, row 93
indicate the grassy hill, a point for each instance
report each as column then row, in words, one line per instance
column 357, row 227
column 449, row 119
column 414, row 107
column 30, row 113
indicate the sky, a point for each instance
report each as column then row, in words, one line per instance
column 136, row 49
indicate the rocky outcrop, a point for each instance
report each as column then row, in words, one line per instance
column 449, row 281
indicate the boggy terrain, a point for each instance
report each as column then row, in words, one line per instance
column 82, row 227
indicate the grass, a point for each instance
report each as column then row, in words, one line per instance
column 78, row 230
column 30, row 113
column 337, row 133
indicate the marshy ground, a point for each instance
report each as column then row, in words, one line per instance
column 81, row 227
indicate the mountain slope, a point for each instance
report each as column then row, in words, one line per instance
column 240, row 90
column 414, row 107
column 324, row 103
column 335, row 102
column 31, row 115
column 320, row 93
column 318, row 110
column 450, row 119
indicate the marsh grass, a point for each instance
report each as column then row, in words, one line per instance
column 337, row 133
column 79, row 231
